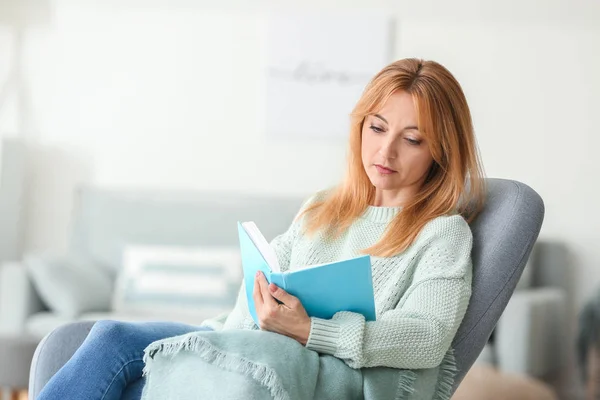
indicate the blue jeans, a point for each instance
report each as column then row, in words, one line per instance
column 109, row 361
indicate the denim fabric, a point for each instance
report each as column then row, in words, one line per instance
column 109, row 363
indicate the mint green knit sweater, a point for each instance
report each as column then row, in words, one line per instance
column 421, row 294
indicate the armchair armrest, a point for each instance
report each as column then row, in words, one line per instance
column 18, row 298
column 530, row 334
column 55, row 349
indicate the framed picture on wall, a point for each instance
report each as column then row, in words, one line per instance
column 317, row 67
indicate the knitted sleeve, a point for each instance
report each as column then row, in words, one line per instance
column 419, row 331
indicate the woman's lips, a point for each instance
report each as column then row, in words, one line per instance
column 383, row 170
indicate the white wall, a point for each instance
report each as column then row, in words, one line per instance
column 168, row 94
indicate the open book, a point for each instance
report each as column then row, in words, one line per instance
column 323, row 289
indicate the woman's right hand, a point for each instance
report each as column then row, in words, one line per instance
column 288, row 318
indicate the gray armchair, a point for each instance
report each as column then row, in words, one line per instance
column 504, row 235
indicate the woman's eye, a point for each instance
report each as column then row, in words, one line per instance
column 376, row 129
column 413, row 141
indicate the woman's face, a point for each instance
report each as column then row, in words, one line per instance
column 395, row 155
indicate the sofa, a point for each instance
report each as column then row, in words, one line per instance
column 13, row 171
column 182, row 239
column 531, row 337
column 107, row 223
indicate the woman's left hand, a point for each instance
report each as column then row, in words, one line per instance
column 289, row 319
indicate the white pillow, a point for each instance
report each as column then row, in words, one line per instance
column 70, row 285
column 172, row 281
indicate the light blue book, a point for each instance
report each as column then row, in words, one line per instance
column 323, row 289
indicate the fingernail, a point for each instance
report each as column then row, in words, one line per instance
column 257, row 274
column 272, row 288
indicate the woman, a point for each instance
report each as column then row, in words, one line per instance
column 405, row 201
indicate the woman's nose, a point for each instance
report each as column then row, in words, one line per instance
column 388, row 150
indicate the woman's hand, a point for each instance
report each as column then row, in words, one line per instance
column 289, row 319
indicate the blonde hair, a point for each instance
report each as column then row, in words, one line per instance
column 455, row 182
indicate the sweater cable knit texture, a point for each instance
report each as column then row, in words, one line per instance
column 421, row 294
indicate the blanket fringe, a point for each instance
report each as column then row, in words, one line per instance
column 448, row 369
column 406, row 384
column 263, row 374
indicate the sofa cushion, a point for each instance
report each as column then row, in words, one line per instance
column 42, row 323
column 173, row 282
column 70, row 285
column 190, row 318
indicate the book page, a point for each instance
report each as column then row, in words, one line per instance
column 304, row 267
column 262, row 245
